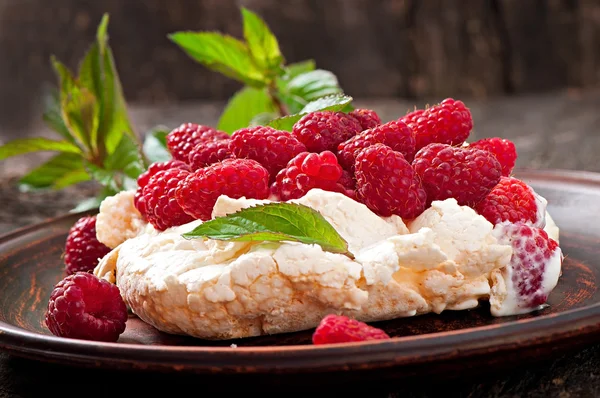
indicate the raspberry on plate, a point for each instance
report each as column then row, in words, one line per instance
column 449, row 122
column 271, row 148
column 83, row 251
column 341, row 329
column 325, row 130
column 184, row 138
column 387, row 184
column 83, row 306
column 143, row 179
column 395, row 134
column 466, row 174
column 160, row 204
column 307, row 171
column 504, row 150
column 524, row 285
column 236, row 178
column 367, row 118
column 207, row 153
column 514, row 201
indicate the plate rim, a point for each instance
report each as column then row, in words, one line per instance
column 576, row 323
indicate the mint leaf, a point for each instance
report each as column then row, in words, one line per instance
column 125, row 159
column 306, row 87
column 262, row 43
column 155, row 145
column 53, row 117
column 297, row 68
column 93, row 203
column 60, row 171
column 336, row 102
column 262, row 119
column 275, row 222
column 243, row 107
column 221, row 53
column 26, row 145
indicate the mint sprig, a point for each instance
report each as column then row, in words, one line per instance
column 337, row 102
column 274, row 222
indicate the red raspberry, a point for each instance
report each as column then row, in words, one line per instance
column 529, row 270
column 83, row 306
column 367, row 118
column 307, row 171
column 83, row 251
column 387, row 183
column 184, row 138
column 394, row 134
column 512, row 200
column 161, row 207
column 347, row 180
column 341, row 329
column 449, row 122
column 504, row 150
column 465, row 174
column 207, row 153
column 324, row 131
column 152, row 170
column 235, row 178
column 271, row 148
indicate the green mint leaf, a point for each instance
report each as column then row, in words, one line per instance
column 77, row 105
column 274, row 222
column 125, row 158
column 262, row 119
column 243, row 107
column 303, row 88
column 93, row 203
column 297, row 68
column 155, row 145
column 262, row 43
column 221, row 53
column 335, row 102
column 25, row 145
column 53, row 117
column 60, row 171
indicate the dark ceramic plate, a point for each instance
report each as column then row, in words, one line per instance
column 30, row 265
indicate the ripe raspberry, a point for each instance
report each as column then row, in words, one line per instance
column 387, row 183
column 394, row 134
column 307, row 171
column 466, row 174
column 534, row 266
column 184, row 138
column 160, row 205
column 449, row 122
column 83, row 306
column 514, row 201
column 504, row 150
column 235, row 178
column 324, row 131
column 341, row 329
column 347, row 180
column 83, row 251
column 160, row 166
column 367, row 118
column 271, row 148
column 207, row 153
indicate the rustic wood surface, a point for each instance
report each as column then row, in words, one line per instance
column 559, row 130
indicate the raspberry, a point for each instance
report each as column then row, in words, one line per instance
column 529, row 272
column 184, row 138
column 504, row 150
column 207, row 153
column 395, row 134
column 347, row 180
column 341, row 329
column 160, row 166
column 160, row 204
column 449, row 122
column 514, row 201
column 324, row 131
column 307, row 171
column 465, row 174
column 83, row 306
column 367, row 118
column 269, row 147
column 83, row 251
column 235, row 178
column 387, row 183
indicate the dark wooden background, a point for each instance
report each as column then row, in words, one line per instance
column 410, row 49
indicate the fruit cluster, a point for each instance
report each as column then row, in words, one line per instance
column 395, row 168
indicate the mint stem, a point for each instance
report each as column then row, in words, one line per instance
column 272, row 91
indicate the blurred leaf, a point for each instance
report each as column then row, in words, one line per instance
column 53, row 116
column 155, row 145
column 262, row 43
column 60, row 171
column 126, row 158
column 243, row 107
column 93, row 203
column 262, row 119
column 297, row 68
column 26, row 145
column 221, row 53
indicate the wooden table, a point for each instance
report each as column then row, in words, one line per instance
column 560, row 130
